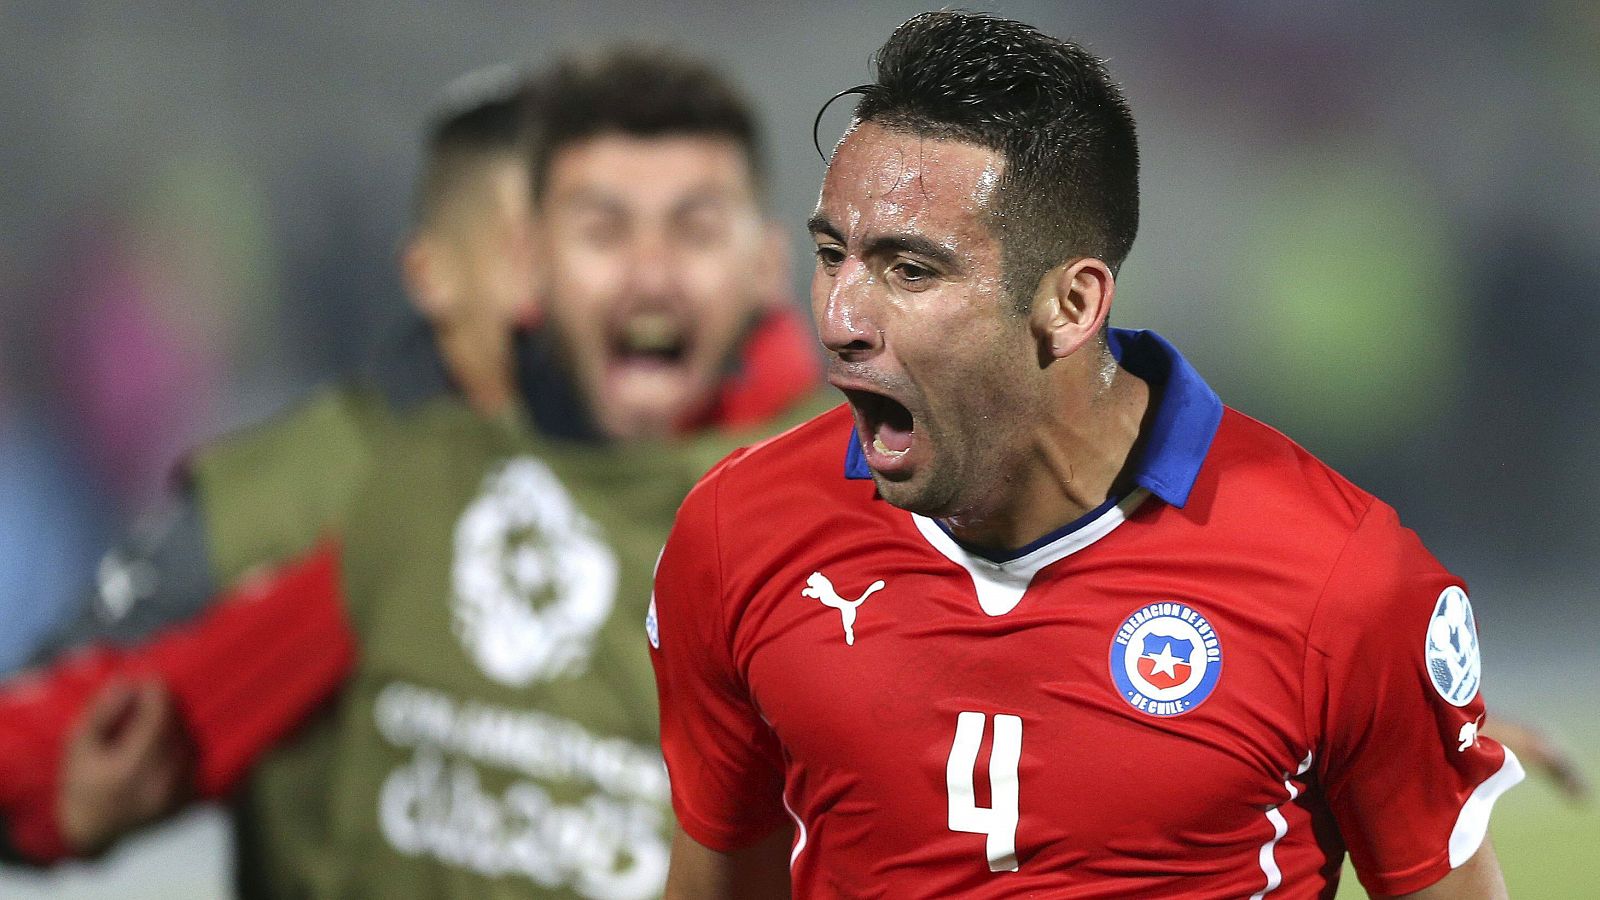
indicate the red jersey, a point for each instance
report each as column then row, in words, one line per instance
column 1212, row 687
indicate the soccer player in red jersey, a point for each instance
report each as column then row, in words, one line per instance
column 1035, row 614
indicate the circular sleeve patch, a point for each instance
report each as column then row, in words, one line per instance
column 1452, row 648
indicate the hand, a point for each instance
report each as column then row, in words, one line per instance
column 126, row 763
column 1542, row 755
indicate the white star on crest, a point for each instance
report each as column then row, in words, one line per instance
column 1165, row 661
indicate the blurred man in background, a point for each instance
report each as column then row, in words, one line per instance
column 254, row 500
column 267, row 493
column 496, row 727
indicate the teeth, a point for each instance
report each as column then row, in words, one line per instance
column 877, row 444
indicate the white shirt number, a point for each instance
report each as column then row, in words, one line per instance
column 999, row 820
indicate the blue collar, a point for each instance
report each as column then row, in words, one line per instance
column 1180, row 434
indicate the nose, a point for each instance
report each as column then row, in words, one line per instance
column 842, row 305
column 650, row 270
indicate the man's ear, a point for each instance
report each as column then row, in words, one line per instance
column 1070, row 306
column 427, row 279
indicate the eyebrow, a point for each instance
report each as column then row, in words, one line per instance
column 894, row 242
column 915, row 244
column 711, row 198
column 586, row 198
column 820, row 224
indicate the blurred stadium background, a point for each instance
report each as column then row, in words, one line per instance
column 1376, row 226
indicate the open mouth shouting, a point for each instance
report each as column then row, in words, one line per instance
column 887, row 431
column 650, row 375
column 649, row 358
column 648, row 340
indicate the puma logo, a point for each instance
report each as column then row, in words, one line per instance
column 818, row 587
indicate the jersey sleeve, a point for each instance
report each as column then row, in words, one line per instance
column 723, row 760
column 255, row 667
column 242, row 676
column 1394, row 702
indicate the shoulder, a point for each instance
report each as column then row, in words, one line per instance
column 1385, row 583
column 265, row 492
column 804, row 458
column 1279, row 477
column 777, row 481
column 1257, row 483
column 331, row 417
column 1369, row 569
column 1268, row 502
column 1264, row 497
column 325, row 437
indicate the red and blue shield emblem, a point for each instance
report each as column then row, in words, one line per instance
column 1166, row 659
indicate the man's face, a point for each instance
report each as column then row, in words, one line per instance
column 910, row 301
column 656, row 256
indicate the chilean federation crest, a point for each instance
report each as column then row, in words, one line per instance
column 1166, row 659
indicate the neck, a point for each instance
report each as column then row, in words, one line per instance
column 479, row 362
column 1078, row 456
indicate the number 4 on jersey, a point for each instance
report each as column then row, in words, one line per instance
column 999, row 820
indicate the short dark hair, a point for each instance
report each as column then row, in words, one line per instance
column 642, row 91
column 1071, row 182
column 483, row 116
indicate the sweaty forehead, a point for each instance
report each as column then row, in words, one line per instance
column 888, row 177
column 630, row 171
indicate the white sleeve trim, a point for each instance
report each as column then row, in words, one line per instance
column 1473, row 822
